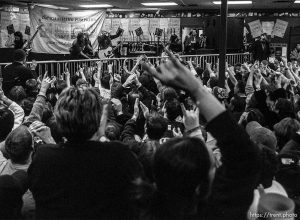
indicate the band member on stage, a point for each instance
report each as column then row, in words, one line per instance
column 104, row 40
column 88, row 50
column 18, row 41
column 261, row 48
column 78, row 47
column 175, row 45
column 191, row 43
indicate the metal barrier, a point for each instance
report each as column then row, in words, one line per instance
column 56, row 68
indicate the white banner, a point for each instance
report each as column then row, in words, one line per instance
column 61, row 28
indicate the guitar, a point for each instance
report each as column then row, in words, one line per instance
column 27, row 46
column 108, row 52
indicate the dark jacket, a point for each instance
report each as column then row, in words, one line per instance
column 16, row 74
column 261, row 53
column 83, row 181
column 234, row 183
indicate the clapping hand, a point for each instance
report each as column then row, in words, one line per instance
column 145, row 110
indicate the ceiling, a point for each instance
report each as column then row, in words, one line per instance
column 182, row 4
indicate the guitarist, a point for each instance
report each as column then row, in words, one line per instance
column 104, row 40
column 78, row 48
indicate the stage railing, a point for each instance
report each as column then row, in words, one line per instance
column 56, row 68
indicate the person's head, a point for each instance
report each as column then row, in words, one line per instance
column 212, row 82
column 6, row 122
column 31, row 87
column 19, row 55
column 237, row 104
column 77, row 113
column 27, row 105
column 80, row 37
column 156, row 126
column 19, row 145
column 238, row 68
column 12, row 189
column 261, row 135
column 17, row 94
column 239, row 88
column 263, row 37
column 112, row 131
column 298, row 47
column 173, row 109
column 184, row 167
column 285, row 129
column 194, row 32
column 168, row 94
column 284, row 108
column 18, row 36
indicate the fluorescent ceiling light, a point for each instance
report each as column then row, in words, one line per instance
column 234, row 2
column 96, row 6
column 52, row 6
column 297, row 1
column 149, row 4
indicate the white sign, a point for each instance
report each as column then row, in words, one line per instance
column 280, row 28
column 267, row 27
column 255, row 28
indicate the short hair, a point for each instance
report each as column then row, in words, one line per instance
column 17, row 94
column 156, row 126
column 27, row 105
column 169, row 93
column 78, row 113
column 285, row 129
column 18, row 144
column 173, row 109
column 19, row 55
column 238, row 103
column 6, row 122
column 241, row 85
column 181, row 165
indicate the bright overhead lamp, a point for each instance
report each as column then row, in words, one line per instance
column 52, row 6
column 96, row 6
column 150, row 4
column 234, row 2
column 297, row 1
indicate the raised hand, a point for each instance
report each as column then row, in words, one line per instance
column 117, row 106
column 144, row 109
column 190, row 118
column 177, row 133
column 40, row 130
column 136, row 108
column 46, row 82
column 173, row 73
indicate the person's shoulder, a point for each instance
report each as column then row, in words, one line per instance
column 48, row 150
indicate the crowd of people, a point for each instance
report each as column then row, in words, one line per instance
column 159, row 141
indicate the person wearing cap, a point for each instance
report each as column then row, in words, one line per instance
column 261, row 48
column 16, row 74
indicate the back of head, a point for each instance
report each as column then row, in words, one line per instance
column 156, row 126
column 18, row 145
column 60, row 86
column 6, row 122
column 77, row 113
column 238, row 103
column 19, row 55
column 12, row 188
column 284, row 108
column 17, row 94
column 285, row 129
column 32, row 87
column 181, row 165
column 168, row 94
